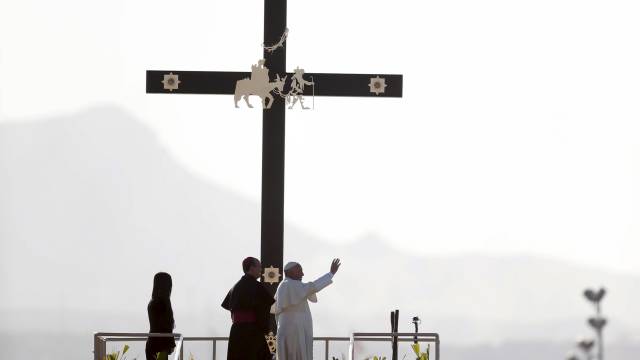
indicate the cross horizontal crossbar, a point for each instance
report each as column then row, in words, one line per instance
column 224, row 82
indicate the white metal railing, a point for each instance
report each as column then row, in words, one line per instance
column 101, row 339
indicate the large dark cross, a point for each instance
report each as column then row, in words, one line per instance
column 273, row 119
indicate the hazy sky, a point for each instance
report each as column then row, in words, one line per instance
column 519, row 131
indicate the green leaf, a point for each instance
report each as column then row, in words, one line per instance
column 126, row 348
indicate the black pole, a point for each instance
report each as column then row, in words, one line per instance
column 394, row 328
column 393, row 321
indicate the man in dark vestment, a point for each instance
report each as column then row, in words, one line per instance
column 250, row 304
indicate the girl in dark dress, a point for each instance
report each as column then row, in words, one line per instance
column 160, row 317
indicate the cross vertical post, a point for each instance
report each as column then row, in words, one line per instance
column 273, row 143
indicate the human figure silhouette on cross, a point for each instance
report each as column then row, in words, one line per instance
column 297, row 87
column 259, row 73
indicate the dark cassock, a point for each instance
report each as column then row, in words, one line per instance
column 250, row 305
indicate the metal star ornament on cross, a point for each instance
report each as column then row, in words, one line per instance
column 271, row 275
column 171, row 81
column 377, row 85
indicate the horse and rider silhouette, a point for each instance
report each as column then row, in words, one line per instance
column 258, row 84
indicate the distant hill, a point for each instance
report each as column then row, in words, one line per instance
column 92, row 205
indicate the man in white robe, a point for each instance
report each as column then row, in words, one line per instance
column 295, row 326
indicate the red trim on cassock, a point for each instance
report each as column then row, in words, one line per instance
column 243, row 316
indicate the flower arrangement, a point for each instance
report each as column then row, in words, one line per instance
column 118, row 355
column 420, row 355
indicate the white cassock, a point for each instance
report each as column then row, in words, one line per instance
column 295, row 327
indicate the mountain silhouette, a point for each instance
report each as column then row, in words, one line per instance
column 92, row 205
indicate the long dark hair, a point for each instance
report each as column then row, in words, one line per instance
column 161, row 286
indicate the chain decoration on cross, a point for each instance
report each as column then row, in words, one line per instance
column 280, row 42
